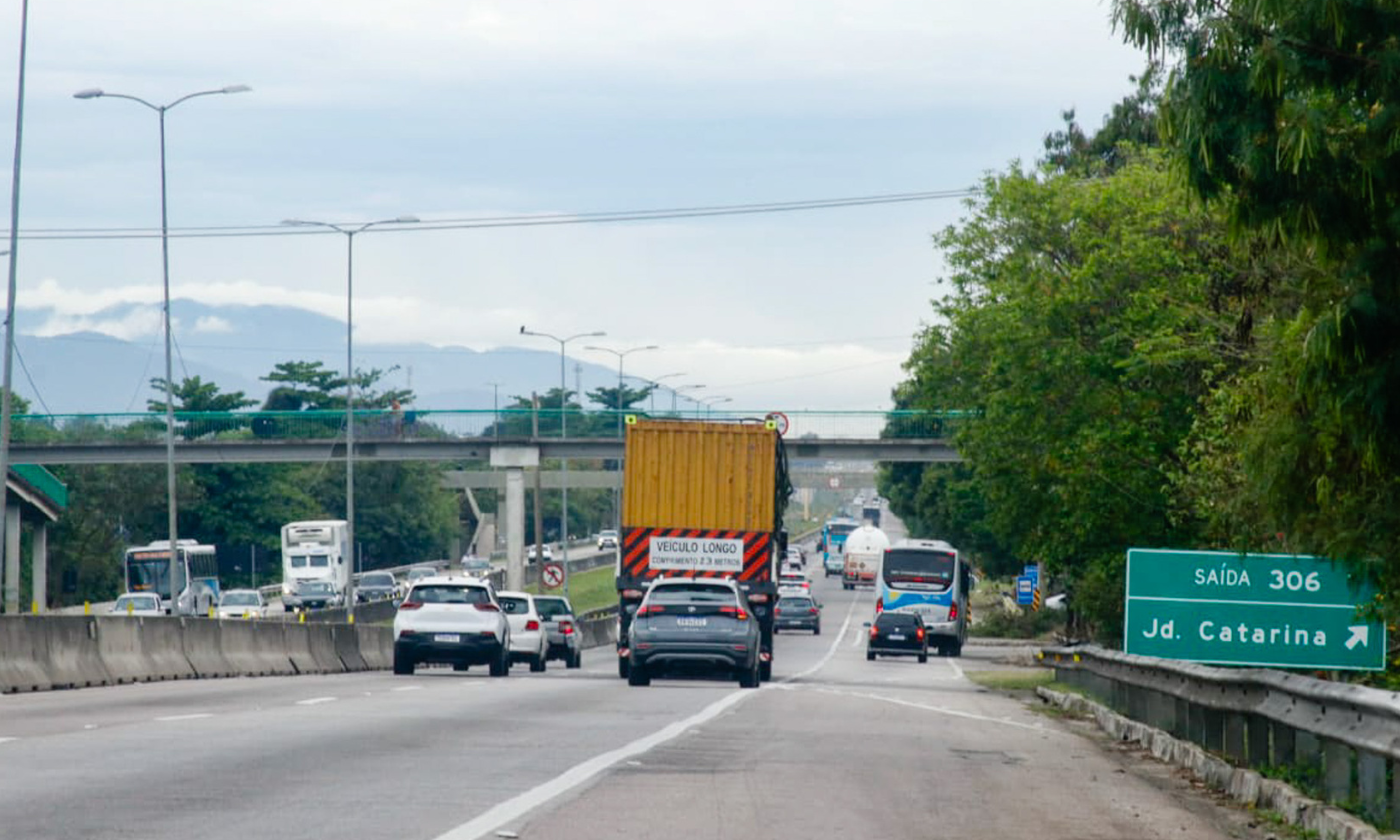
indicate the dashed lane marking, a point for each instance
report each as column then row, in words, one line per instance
column 315, row 701
column 197, row 716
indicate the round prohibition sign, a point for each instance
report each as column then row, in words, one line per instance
column 553, row 575
column 779, row 421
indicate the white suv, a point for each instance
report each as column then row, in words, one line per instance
column 529, row 641
column 451, row 620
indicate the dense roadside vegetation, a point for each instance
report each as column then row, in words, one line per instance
column 1183, row 329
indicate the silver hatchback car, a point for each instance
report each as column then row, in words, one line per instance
column 564, row 637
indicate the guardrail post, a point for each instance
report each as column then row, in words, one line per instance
column 1370, row 780
column 1285, row 744
column 1235, row 737
column 1336, row 769
column 1395, row 794
column 1257, row 741
column 1181, row 728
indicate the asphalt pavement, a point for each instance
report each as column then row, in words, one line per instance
column 834, row 747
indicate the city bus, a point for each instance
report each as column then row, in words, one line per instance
column 146, row 568
column 833, row 539
column 928, row 577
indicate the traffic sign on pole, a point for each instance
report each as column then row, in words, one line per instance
column 1025, row 590
column 552, row 575
column 1273, row 610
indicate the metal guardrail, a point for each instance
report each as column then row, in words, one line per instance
column 1344, row 737
column 37, row 430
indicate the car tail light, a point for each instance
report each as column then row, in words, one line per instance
column 532, row 625
column 632, row 594
column 953, row 611
column 651, row 609
column 777, row 611
column 566, row 627
column 740, row 647
column 488, row 607
column 879, row 605
column 874, row 632
column 410, row 605
column 734, row 611
column 813, row 610
column 408, row 632
column 919, row 633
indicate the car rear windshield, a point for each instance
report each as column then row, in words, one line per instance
column 443, row 593
column 514, row 606
column 795, row 604
column 551, row 607
column 695, row 593
column 377, row 580
column 919, row 569
column 240, row 599
column 894, row 619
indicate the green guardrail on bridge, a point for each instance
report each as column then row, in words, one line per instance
column 436, row 424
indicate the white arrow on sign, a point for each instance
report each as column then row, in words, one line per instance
column 1360, row 635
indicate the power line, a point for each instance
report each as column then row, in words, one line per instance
column 536, row 220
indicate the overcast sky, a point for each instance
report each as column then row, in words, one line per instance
column 453, row 109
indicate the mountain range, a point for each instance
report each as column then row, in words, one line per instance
column 235, row 345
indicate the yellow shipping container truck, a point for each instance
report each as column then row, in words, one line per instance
column 702, row 499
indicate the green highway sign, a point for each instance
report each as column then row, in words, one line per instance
column 1273, row 610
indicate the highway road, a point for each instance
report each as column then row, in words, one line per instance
column 834, row 747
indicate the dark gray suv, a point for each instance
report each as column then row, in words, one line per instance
column 686, row 625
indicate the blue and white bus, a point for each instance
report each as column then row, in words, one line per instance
column 833, row 541
column 147, row 569
column 928, row 577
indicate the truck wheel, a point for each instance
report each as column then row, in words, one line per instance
column 537, row 664
column 638, row 676
column 765, row 671
column 954, row 648
column 500, row 667
column 460, row 666
column 575, row 660
column 403, row 665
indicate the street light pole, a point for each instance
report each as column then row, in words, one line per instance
column 621, row 355
column 656, row 383
column 173, row 504
column 350, row 231
column 496, row 406
column 563, row 427
column 675, row 391
column 711, row 402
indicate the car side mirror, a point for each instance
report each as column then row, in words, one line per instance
column 866, row 625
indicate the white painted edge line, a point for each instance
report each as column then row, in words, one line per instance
column 957, row 669
column 314, row 701
column 406, row 688
column 6, row 740
column 522, row 804
column 518, row 806
column 197, row 716
column 943, row 710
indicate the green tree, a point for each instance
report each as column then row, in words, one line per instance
column 619, row 399
column 1286, row 113
column 1132, row 123
column 194, row 394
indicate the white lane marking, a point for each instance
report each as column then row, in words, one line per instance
column 406, row 688
column 518, row 806
column 928, row 707
column 314, row 701
column 5, row 740
column 831, row 650
column 957, row 669
column 198, row 716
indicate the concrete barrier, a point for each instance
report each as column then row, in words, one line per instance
column 321, row 641
column 203, row 648
column 22, row 656
column 598, row 632
column 163, row 648
column 347, row 647
column 72, row 658
column 119, row 643
column 372, row 641
column 251, row 650
column 296, row 641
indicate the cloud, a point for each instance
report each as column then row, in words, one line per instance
column 212, row 324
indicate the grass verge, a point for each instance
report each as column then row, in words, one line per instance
column 590, row 590
column 1026, row 680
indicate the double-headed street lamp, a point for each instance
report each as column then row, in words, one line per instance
column 96, row 93
column 656, row 383
column 711, row 402
column 563, row 427
column 350, row 231
column 620, row 354
column 678, row 389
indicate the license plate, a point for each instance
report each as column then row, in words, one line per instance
column 896, row 637
column 691, row 622
column 447, row 637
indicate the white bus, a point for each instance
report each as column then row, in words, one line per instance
column 146, row 568
column 316, row 551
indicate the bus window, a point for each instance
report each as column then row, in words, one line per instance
column 919, row 569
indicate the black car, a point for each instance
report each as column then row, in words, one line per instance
column 312, row 595
column 694, row 625
column 897, row 634
column 797, row 613
column 376, row 586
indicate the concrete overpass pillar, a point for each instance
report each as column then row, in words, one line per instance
column 514, row 459
column 39, row 565
column 11, row 559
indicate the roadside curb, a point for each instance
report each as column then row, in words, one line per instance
column 1245, row 786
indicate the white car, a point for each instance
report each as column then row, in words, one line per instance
column 241, row 603
column 137, row 603
column 794, row 584
column 607, row 539
column 529, row 640
column 452, row 621
column 530, row 556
